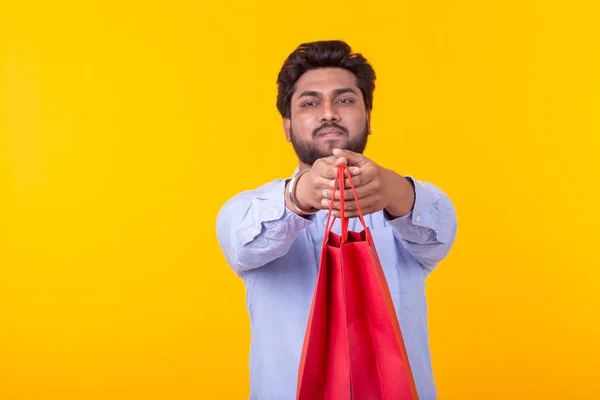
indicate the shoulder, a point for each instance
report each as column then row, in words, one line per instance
column 272, row 190
column 268, row 190
column 263, row 192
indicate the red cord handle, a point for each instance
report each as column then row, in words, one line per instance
column 339, row 180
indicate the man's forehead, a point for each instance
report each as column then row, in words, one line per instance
column 325, row 80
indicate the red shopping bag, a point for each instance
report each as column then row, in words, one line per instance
column 353, row 346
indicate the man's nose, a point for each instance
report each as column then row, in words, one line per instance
column 329, row 113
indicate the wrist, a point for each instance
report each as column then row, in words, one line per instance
column 301, row 194
column 402, row 195
column 292, row 191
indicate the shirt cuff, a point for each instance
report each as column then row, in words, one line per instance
column 426, row 222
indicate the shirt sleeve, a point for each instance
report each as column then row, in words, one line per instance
column 429, row 230
column 255, row 227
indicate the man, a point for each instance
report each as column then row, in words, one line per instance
column 272, row 239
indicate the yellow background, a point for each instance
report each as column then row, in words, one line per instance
column 125, row 125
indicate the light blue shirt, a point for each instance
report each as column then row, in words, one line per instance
column 277, row 255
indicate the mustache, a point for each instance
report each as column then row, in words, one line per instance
column 329, row 125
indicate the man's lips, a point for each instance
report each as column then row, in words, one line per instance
column 330, row 132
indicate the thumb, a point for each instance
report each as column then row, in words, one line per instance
column 351, row 158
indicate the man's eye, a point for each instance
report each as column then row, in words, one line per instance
column 309, row 104
column 346, row 101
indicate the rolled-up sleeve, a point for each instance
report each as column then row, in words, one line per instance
column 429, row 230
column 255, row 227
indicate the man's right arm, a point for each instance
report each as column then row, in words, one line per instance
column 256, row 227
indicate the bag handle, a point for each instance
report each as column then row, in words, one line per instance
column 330, row 218
column 339, row 180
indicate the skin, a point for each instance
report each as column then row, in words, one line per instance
column 329, row 97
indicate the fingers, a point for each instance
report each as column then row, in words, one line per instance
column 328, row 167
column 352, row 205
column 361, row 191
column 329, row 160
column 343, row 161
column 323, row 178
column 330, row 173
column 360, row 177
column 354, row 214
column 340, row 162
column 325, row 167
column 357, row 181
column 350, row 157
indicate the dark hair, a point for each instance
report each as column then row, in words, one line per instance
column 323, row 54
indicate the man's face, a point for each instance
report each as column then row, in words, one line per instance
column 327, row 112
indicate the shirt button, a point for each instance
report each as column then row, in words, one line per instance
column 418, row 218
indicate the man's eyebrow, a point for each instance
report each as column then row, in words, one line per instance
column 309, row 93
column 337, row 92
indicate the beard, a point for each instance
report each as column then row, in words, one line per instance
column 308, row 152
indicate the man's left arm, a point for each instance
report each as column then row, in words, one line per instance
column 422, row 215
column 423, row 218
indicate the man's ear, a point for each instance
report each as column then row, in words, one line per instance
column 287, row 124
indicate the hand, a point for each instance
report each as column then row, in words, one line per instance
column 377, row 188
column 310, row 187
